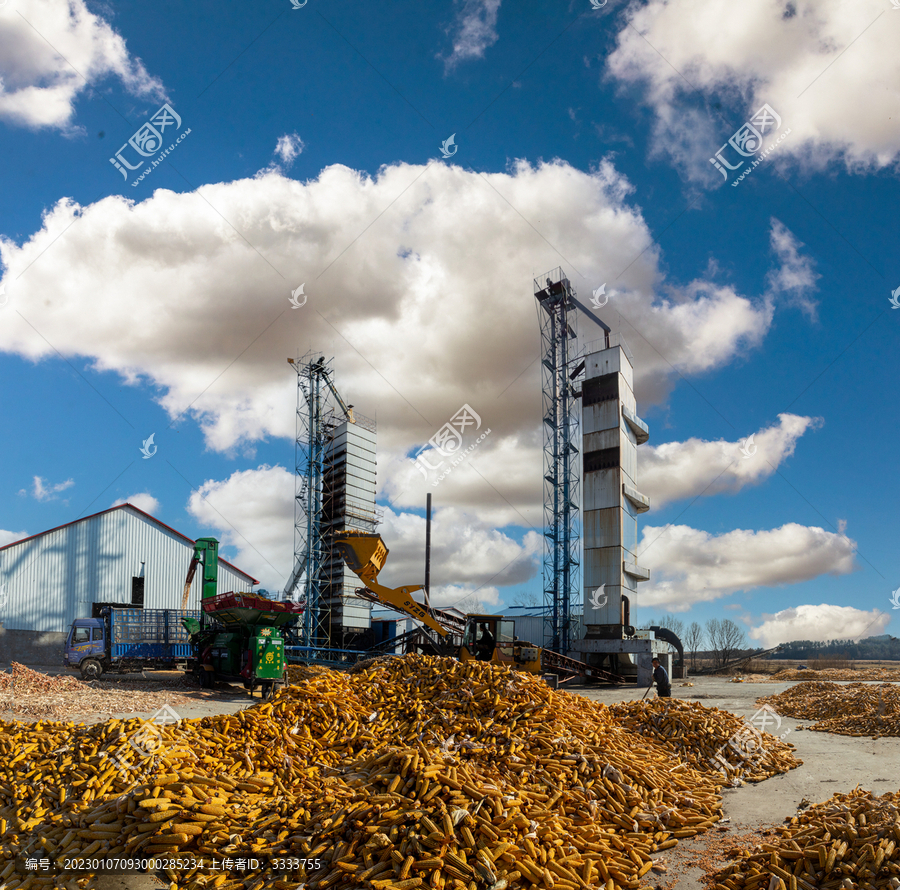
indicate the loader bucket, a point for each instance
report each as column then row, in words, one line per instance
column 365, row 554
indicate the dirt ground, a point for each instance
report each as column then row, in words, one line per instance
column 831, row 764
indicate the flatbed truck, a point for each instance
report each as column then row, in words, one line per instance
column 128, row 639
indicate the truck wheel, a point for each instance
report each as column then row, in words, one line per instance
column 91, row 669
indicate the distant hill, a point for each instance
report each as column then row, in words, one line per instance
column 880, row 648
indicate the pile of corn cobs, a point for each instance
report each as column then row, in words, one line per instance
column 857, row 709
column 415, row 772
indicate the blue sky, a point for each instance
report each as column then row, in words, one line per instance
column 584, row 140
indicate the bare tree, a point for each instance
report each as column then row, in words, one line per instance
column 676, row 625
column 733, row 639
column 668, row 621
column 714, row 636
column 528, row 599
column 471, row 605
column 693, row 640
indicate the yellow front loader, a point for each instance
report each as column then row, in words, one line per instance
column 365, row 554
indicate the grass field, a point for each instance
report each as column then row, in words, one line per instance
column 772, row 666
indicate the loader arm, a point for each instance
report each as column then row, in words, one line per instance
column 365, row 555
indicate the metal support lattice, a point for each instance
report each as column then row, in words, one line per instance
column 557, row 315
column 315, row 420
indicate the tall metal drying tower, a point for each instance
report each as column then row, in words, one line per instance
column 557, row 315
column 334, row 457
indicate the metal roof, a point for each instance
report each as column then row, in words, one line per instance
column 138, row 510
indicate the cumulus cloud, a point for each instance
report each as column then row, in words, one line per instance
column 466, row 553
column 9, row 537
column 677, row 470
column 689, row 566
column 442, row 270
column 42, row 491
column 465, row 598
column 51, row 52
column 819, row 623
column 253, row 511
column 810, row 60
column 501, row 474
column 474, row 31
column 142, row 500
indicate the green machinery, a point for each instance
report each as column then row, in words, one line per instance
column 238, row 636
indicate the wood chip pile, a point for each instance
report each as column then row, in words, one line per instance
column 30, row 693
column 856, row 709
column 851, row 840
column 709, row 738
column 418, row 772
column 883, row 675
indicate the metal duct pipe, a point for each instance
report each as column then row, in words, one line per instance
column 670, row 637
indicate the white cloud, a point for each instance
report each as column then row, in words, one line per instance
column 795, row 277
column 50, row 52
column 688, row 566
column 466, row 552
column 41, row 491
column 252, row 511
column 819, row 623
column 142, row 500
column 288, row 148
column 465, row 598
column 441, row 270
column 9, row 537
column 810, row 60
column 501, row 475
column 475, row 30
column 678, row 470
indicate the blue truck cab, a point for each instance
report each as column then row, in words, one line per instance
column 123, row 640
column 85, row 645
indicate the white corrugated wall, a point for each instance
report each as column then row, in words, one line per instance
column 531, row 628
column 54, row 578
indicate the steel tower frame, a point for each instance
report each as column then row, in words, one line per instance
column 315, row 419
column 557, row 315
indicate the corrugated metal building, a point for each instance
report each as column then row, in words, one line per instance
column 531, row 627
column 121, row 555
column 348, row 502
